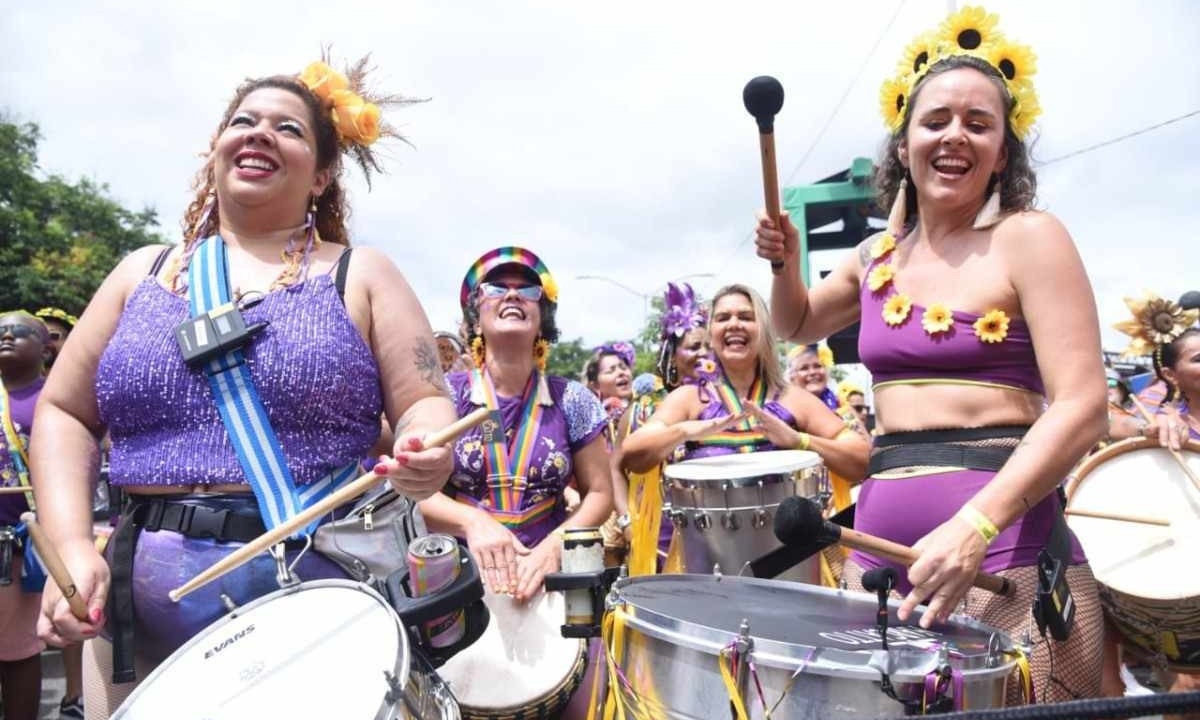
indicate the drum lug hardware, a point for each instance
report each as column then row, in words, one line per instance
column 703, row 521
column 759, row 520
column 678, row 517
column 228, row 602
column 729, row 521
column 284, row 576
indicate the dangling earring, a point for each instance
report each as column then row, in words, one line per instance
column 899, row 213
column 541, row 351
column 989, row 214
column 477, row 351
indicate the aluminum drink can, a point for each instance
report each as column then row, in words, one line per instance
column 583, row 552
column 433, row 563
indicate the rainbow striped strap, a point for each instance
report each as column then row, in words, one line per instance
column 511, row 519
column 733, row 403
column 507, row 462
column 16, row 448
column 741, row 440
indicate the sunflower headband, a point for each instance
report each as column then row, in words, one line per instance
column 355, row 119
column 969, row 32
column 1156, row 322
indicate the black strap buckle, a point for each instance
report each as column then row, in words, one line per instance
column 152, row 515
column 207, row 522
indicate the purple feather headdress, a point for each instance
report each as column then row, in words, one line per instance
column 621, row 349
column 682, row 312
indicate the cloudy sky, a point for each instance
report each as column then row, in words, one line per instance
column 610, row 137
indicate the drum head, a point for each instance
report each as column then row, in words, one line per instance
column 739, row 465
column 319, row 649
column 829, row 632
column 521, row 659
column 1139, row 479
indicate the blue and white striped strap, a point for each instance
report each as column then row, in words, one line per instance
column 246, row 422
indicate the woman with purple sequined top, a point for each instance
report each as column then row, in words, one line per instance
column 344, row 339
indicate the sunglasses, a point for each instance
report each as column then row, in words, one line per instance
column 18, row 332
column 532, row 293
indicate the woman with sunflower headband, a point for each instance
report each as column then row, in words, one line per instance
column 338, row 338
column 979, row 327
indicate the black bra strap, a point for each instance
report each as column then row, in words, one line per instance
column 339, row 273
column 159, row 261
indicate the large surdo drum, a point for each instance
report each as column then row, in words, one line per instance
column 725, row 506
column 815, row 651
column 1149, row 585
column 319, row 649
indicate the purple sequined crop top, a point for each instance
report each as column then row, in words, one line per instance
column 316, row 376
column 906, row 353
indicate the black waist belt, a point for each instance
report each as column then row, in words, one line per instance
column 222, row 518
column 936, row 448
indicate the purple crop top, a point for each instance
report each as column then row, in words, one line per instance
column 316, row 376
column 714, row 408
column 905, row 352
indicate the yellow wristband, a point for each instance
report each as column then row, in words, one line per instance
column 804, row 441
column 985, row 527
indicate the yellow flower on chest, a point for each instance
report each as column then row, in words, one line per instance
column 992, row 327
column 896, row 309
column 880, row 276
column 937, row 318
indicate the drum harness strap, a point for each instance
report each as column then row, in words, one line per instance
column 12, row 538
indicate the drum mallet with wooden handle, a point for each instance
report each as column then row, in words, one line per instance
column 336, row 499
column 55, row 566
column 763, row 98
column 798, row 521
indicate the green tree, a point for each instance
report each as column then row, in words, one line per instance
column 567, row 358
column 58, row 239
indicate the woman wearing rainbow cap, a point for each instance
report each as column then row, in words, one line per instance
column 985, row 407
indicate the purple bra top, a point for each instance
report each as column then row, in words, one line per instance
column 316, row 376
column 906, row 353
column 714, row 408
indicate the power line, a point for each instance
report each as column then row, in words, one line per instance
column 1119, row 138
column 836, row 109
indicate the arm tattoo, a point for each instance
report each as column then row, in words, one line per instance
column 428, row 365
column 864, row 254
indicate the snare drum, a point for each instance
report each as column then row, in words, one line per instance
column 522, row 667
column 815, row 651
column 326, row 648
column 1148, row 583
column 724, row 505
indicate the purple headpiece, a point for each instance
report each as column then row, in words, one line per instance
column 682, row 312
column 621, row 349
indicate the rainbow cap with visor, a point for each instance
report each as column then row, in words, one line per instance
column 509, row 255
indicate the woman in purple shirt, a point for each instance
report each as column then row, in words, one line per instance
column 979, row 327
column 345, row 340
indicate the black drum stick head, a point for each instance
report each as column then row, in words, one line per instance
column 798, row 521
column 763, row 98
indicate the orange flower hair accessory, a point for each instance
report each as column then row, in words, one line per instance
column 356, row 120
column 1156, row 321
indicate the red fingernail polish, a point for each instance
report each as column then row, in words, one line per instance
column 381, row 469
column 402, row 459
column 414, row 444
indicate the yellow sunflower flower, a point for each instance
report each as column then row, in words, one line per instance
column 1015, row 62
column 969, row 29
column 1026, row 108
column 549, row 287
column 882, row 246
column 936, row 319
column 881, row 276
column 992, row 327
column 922, row 52
column 825, row 355
column 896, row 309
column 1156, row 321
column 893, row 97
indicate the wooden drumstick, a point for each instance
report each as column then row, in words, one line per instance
column 15, row 490
column 341, row 496
column 55, row 566
column 763, row 98
column 798, row 523
column 1174, row 453
column 1140, row 519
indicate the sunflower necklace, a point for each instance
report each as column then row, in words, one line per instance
column 991, row 327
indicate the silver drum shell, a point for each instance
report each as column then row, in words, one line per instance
column 728, row 522
column 672, row 663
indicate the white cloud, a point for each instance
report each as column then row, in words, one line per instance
column 611, row 139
